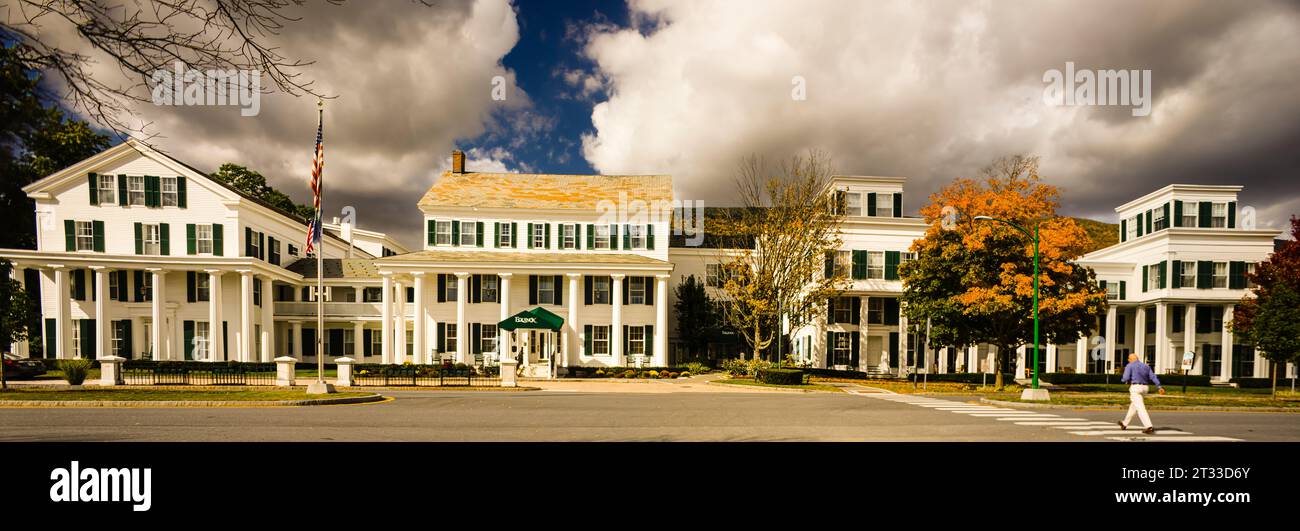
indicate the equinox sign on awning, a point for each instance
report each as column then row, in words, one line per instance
column 536, row 318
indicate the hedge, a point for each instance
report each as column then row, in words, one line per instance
column 609, row 372
column 780, row 376
column 1257, row 383
column 832, row 373
column 962, row 377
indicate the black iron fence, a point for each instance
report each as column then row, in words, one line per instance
column 145, row 372
column 425, row 376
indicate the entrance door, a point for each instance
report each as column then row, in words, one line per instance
column 875, row 351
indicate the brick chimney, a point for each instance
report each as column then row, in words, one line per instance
column 458, row 161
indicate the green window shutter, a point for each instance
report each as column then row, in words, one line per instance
column 94, row 189
column 430, row 231
column 627, row 237
column 476, row 334
column 1232, row 214
column 442, row 287
column 1168, row 223
column 189, row 238
column 1204, row 274
column 1164, row 274
column 191, row 287
column 829, row 270
column 1145, row 271
column 165, row 239
column 650, row 237
column 1237, row 275
column 51, row 333
column 577, row 235
column 79, row 284
column 1203, row 217
column 830, row 310
column 859, row 265
column 189, row 339
column 496, row 234
column 546, row 234
column 455, row 232
column 830, row 348
column 529, row 237
column 1149, row 224
column 1123, row 230
column 898, row 205
column 591, row 236
column 1102, row 284
column 1176, row 281
column 856, row 316
column 139, row 238
column 649, row 340
column 649, row 291
column 70, row 234
column 97, row 227
column 122, row 197
column 586, row 339
column 871, row 204
column 261, row 246
column 613, row 237
column 152, row 191
column 217, row 244
column 1178, row 214
column 248, row 241
column 180, row 192
column 1123, row 290
column 625, row 339
column 891, row 265
column 532, row 290
column 891, row 311
column 514, row 235
column 88, row 339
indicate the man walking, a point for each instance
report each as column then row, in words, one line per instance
column 1139, row 375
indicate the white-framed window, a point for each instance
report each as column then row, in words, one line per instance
column 169, row 193
column 1219, row 215
column 905, row 257
column 1189, row 214
column 201, row 340
column 1188, row 274
column 600, row 340
column 151, row 240
column 442, row 232
column 842, row 349
column 546, row 289
column 488, row 288
column 600, row 290
column 1158, row 221
column 1153, row 277
column 349, row 340
column 450, row 291
column 117, row 343
column 601, row 238
column 1250, row 270
column 885, row 205
column 636, row 290
column 487, row 341
column 255, row 244
column 114, row 288
column 146, row 288
column 376, row 342
column 202, row 290
column 539, row 235
column 568, row 236
column 450, row 341
column 843, row 263
column 85, row 236
column 468, row 233
column 876, row 264
column 1220, row 274
column 636, row 235
column 713, row 275
column 875, row 310
column 135, row 189
column 107, row 189
column 76, row 338
column 843, row 309
column 852, row 204
column 504, row 234
column 1112, row 291
column 635, row 340
column 293, row 250
column 203, row 239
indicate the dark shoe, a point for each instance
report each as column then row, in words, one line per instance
column 1149, row 431
column 1121, row 425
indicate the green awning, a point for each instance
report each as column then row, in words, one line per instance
column 536, row 318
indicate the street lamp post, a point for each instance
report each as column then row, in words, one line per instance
column 1034, row 392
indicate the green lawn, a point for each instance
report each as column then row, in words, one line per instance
column 1173, row 397
column 152, row 395
column 301, row 374
column 753, row 383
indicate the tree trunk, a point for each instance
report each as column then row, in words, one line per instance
column 997, row 367
column 1274, row 365
column 758, row 351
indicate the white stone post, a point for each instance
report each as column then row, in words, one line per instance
column 1051, row 359
column 110, row 370
column 572, row 336
column 296, row 330
column 616, row 319
column 1140, row 333
column 1081, row 355
column 344, row 377
column 462, row 329
column 284, row 370
column 358, row 341
column 62, row 314
column 660, row 357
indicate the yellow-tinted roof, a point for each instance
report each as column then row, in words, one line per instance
column 457, row 256
column 543, row 191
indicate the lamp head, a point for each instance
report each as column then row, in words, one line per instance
column 983, row 218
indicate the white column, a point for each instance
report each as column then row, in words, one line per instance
column 268, row 321
column 462, row 329
column 864, row 355
column 246, row 316
column 101, row 317
column 358, row 341
column 1225, row 369
column 1111, row 316
column 1189, row 340
column 399, row 326
column 903, row 340
column 943, row 360
column 1051, row 359
column 1140, row 333
column 156, row 314
column 22, row 348
column 616, row 319
column 572, row 335
column 386, row 327
column 1081, row 355
column 359, row 293
column 973, row 359
column 503, row 337
column 297, row 339
column 61, row 313
column 421, row 354
column 1162, row 339
column 216, row 338
column 660, row 356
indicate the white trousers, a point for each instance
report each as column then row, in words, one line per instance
column 1137, row 405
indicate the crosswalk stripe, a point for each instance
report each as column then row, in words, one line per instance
column 1051, row 418
column 1175, row 438
column 1123, row 432
column 1061, row 422
column 1096, row 424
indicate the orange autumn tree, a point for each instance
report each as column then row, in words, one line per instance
column 973, row 279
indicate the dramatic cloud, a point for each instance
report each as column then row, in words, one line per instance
column 410, row 81
column 935, row 90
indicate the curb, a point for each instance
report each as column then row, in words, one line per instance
column 1032, row 405
column 765, row 389
column 193, row 403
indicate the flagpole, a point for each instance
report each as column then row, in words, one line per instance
column 320, row 387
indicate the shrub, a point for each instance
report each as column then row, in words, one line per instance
column 685, row 374
column 736, row 367
column 75, row 370
column 779, row 376
column 696, row 367
column 653, row 374
column 630, row 373
column 1246, row 383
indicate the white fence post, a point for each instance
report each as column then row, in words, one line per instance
column 284, row 371
column 110, row 370
column 344, row 377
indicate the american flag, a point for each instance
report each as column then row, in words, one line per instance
column 317, row 165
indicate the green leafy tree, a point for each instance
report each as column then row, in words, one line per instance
column 697, row 315
column 1269, row 318
column 254, row 184
column 16, row 311
column 974, row 280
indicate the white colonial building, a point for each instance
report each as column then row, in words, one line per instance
column 141, row 256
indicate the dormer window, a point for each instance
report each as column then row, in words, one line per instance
column 885, row 205
column 135, row 189
column 1189, row 214
column 1132, row 227
column 107, row 189
column 442, row 230
column 853, row 204
column 1159, row 222
column 1219, row 216
column 169, row 193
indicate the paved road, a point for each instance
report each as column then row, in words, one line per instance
column 560, row 415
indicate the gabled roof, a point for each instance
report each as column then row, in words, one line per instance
column 336, row 268
column 543, row 191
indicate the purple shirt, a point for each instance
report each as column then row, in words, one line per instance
column 1139, row 373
